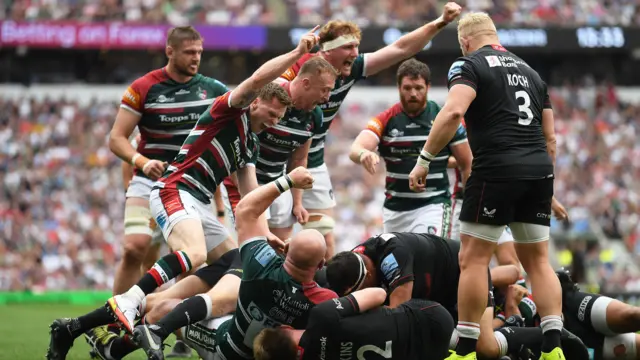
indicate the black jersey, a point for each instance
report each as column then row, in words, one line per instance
column 416, row 330
column 430, row 261
column 504, row 121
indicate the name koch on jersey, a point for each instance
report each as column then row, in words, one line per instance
column 219, row 144
column 168, row 110
column 278, row 142
column 504, row 121
column 402, row 137
column 330, row 108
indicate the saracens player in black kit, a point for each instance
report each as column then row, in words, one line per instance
column 506, row 107
column 357, row 327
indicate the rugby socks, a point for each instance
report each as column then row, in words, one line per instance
column 189, row 311
column 468, row 334
column 551, row 329
column 121, row 347
column 162, row 271
column 98, row 317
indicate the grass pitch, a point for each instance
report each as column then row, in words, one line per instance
column 24, row 332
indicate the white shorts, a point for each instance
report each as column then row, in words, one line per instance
column 455, row 227
column 170, row 206
column 431, row 219
column 140, row 187
column 280, row 211
column 320, row 197
column 201, row 336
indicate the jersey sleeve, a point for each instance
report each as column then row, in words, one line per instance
column 292, row 72
column 459, row 137
column 330, row 312
column 463, row 71
column 359, row 68
column 217, row 87
column 378, row 123
column 397, row 267
column 257, row 257
column 134, row 97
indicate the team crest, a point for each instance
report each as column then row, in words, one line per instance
column 432, row 230
column 202, row 93
column 308, row 127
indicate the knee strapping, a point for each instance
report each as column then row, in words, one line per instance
column 324, row 225
column 138, row 220
column 619, row 347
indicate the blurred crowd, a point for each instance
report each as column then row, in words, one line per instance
column 61, row 204
column 312, row 12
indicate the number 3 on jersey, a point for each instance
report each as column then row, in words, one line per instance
column 386, row 353
column 524, row 108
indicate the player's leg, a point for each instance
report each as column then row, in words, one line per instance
column 506, row 251
column 611, row 317
column 319, row 202
column 484, row 212
column 621, row 347
column 153, row 254
column 137, row 238
column 531, row 233
column 281, row 219
column 432, row 219
column 396, row 221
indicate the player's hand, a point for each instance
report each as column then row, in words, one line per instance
column 517, row 293
column 451, row 11
column 153, row 169
column 369, row 161
column 138, row 138
column 275, row 243
column 418, row 178
column 301, row 214
column 301, row 178
column 558, row 210
column 308, row 41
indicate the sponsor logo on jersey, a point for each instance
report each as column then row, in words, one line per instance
column 582, row 309
column 265, row 255
column 183, row 92
column 323, row 348
column 455, row 70
column 390, row 268
column 338, row 304
column 493, row 61
column 544, row 216
column 164, row 99
column 415, row 126
column 179, row 118
column 131, row 97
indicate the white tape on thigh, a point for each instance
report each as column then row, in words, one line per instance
column 599, row 316
column 324, row 225
column 482, row 231
column 529, row 233
column 138, row 221
column 614, row 345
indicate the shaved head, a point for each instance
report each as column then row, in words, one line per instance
column 306, row 249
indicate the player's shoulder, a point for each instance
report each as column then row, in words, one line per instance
column 216, row 85
column 146, row 81
column 391, row 112
column 292, row 72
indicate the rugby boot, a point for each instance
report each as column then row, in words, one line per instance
column 469, row 356
column 555, row 354
column 180, row 350
column 152, row 343
column 60, row 340
column 100, row 340
column 125, row 311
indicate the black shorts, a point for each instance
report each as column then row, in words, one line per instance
column 576, row 308
column 501, row 202
column 434, row 326
column 229, row 263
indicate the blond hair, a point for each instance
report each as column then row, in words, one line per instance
column 476, row 24
column 274, row 344
column 336, row 28
column 317, row 65
column 273, row 90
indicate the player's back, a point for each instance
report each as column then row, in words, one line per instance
column 504, row 121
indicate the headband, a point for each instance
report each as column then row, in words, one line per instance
column 339, row 41
column 361, row 275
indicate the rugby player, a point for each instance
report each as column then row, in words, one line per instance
column 273, row 291
column 339, row 42
column 165, row 105
column 399, row 134
column 357, row 326
column 287, row 144
column 506, row 106
column 221, row 143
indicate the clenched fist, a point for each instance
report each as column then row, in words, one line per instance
column 301, row 178
column 308, row 41
column 451, row 11
column 154, row 169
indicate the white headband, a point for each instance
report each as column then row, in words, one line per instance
column 361, row 276
column 339, row 41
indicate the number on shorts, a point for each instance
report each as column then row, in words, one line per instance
column 386, row 353
column 524, row 108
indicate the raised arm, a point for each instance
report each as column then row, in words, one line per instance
column 411, row 43
column 248, row 90
column 254, row 204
